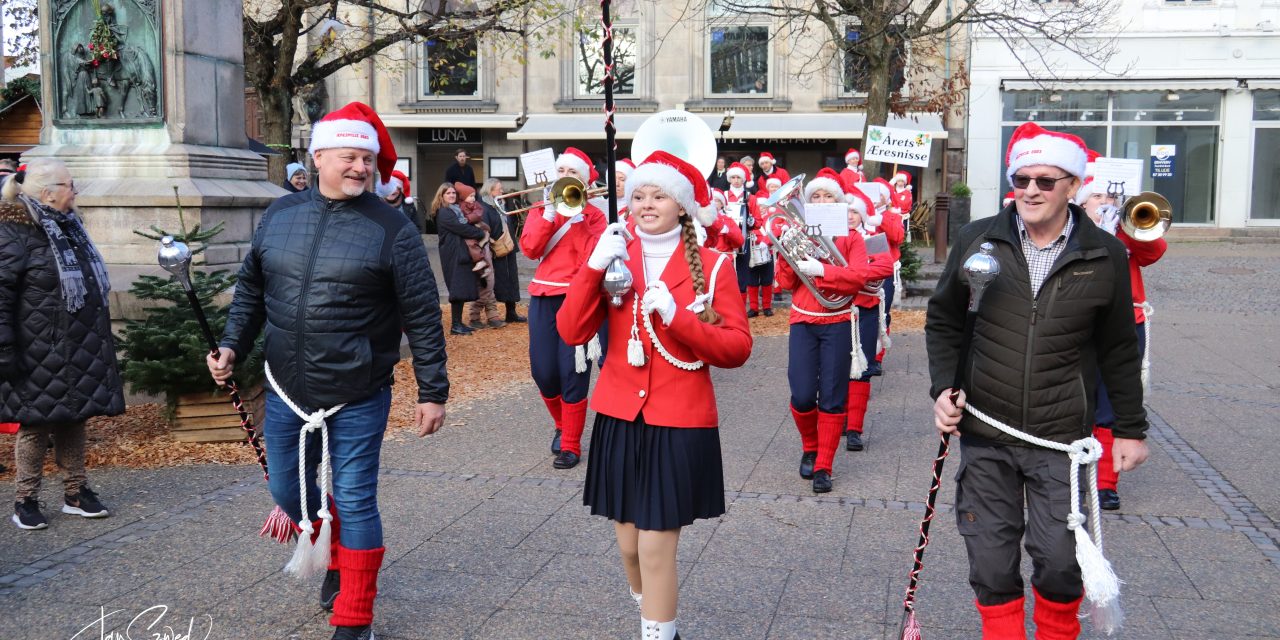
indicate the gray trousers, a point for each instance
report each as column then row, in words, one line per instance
column 993, row 484
column 29, row 453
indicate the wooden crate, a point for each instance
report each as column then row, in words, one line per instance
column 208, row 417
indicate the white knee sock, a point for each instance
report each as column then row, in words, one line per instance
column 654, row 630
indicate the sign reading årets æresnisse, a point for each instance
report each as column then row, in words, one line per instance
column 899, row 146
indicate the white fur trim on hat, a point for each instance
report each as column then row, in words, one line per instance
column 343, row 134
column 574, row 162
column 623, row 167
column 1055, row 151
column 667, row 178
column 772, row 180
column 736, row 171
column 852, row 153
column 1085, row 191
column 823, row 184
column 384, row 189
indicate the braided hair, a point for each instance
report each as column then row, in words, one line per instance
column 694, row 258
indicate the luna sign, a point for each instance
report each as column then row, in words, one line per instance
column 899, row 146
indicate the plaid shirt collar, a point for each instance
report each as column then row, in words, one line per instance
column 1040, row 260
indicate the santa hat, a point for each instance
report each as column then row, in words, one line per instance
column 717, row 194
column 765, row 155
column 624, row 166
column 1091, row 165
column 401, row 181
column 1008, row 197
column 356, row 126
column 852, row 156
column 677, row 178
column 859, row 202
column 737, row 169
column 1086, row 189
column 768, row 184
column 902, row 176
column 1033, row 145
column 578, row 161
column 826, row 180
column 876, row 191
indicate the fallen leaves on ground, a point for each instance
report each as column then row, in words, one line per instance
column 482, row 364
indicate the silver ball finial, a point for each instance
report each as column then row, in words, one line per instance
column 981, row 269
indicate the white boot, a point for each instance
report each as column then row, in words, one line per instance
column 654, row 630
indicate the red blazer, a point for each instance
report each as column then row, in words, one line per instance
column 778, row 172
column 724, row 235
column 556, row 269
column 851, row 177
column 730, row 196
column 756, row 216
column 902, row 200
column 1141, row 254
column 668, row 396
column 837, row 281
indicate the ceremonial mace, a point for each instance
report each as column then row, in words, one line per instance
column 617, row 278
column 981, row 268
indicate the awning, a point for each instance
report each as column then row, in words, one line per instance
column 823, row 126
column 1120, row 84
column 1264, row 84
column 749, row 126
column 449, row 120
column 582, row 126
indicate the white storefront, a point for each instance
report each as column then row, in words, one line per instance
column 1202, row 76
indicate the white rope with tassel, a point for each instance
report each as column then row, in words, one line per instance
column 897, row 282
column 858, row 365
column 1101, row 586
column 883, row 341
column 310, row 559
column 1147, row 311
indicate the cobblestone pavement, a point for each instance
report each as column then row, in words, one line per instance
column 486, row 540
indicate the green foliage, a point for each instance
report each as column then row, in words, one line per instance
column 960, row 190
column 19, row 88
column 910, row 263
column 164, row 353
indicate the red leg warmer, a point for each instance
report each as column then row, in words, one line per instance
column 1003, row 621
column 554, row 408
column 753, row 298
column 359, row 576
column 807, row 425
column 830, row 428
column 859, row 395
column 1056, row 620
column 574, row 421
column 766, row 292
column 1108, row 478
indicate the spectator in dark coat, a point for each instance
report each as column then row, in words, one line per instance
column 718, row 179
column 506, row 286
column 455, row 260
column 57, row 355
column 460, row 171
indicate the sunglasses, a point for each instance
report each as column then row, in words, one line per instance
column 1042, row 183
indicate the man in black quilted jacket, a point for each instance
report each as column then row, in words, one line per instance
column 1059, row 310
column 332, row 278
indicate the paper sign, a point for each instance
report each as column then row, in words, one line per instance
column 1118, row 175
column 876, row 244
column 830, row 219
column 899, row 146
column 1162, row 156
column 539, row 167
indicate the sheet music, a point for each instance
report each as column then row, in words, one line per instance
column 539, row 167
column 831, row 217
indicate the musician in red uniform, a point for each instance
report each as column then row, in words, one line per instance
column 1141, row 254
column 561, row 241
column 760, row 271
column 724, row 234
column 852, row 172
column 821, row 339
column 655, row 463
column 736, row 197
column 884, row 220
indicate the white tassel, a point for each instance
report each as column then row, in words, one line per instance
column 1107, row 618
column 858, row 365
column 580, row 359
column 593, row 349
column 302, row 564
column 897, row 283
column 883, row 342
column 1101, row 586
column 635, row 352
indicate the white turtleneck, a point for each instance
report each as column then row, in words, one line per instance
column 657, row 249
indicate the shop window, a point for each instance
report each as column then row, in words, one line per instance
column 739, row 51
column 854, row 78
column 450, row 68
column 589, row 53
column 1167, row 106
column 1265, row 200
column 1191, row 188
column 1055, row 106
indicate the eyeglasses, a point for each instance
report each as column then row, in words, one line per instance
column 69, row 185
column 1043, row 183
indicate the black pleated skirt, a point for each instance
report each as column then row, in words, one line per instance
column 657, row 478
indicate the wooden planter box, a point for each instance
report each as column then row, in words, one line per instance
column 206, row 417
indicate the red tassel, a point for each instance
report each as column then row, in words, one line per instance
column 911, row 630
column 279, row 527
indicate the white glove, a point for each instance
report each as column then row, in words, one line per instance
column 658, row 298
column 549, row 211
column 811, row 267
column 611, row 245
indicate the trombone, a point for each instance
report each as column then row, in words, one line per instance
column 568, row 194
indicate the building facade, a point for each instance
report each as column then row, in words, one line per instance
column 785, row 95
column 1202, row 80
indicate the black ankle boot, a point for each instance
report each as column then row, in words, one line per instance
column 513, row 315
column 806, row 464
column 821, row 481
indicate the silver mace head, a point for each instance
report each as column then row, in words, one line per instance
column 982, row 269
column 617, row 281
column 175, row 257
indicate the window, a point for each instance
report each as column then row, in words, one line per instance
column 1125, row 124
column 854, row 75
column 739, row 59
column 590, row 56
column 1265, row 201
column 450, row 68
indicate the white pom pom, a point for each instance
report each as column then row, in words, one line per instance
column 706, row 216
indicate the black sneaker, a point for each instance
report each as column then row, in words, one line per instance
column 354, row 633
column 821, row 481
column 853, row 441
column 768, row 312
column 26, row 514
column 84, row 504
column 329, row 589
column 565, row 460
column 461, row 330
column 752, row 313
column 806, row 464
column 1108, row 499
column 555, row 442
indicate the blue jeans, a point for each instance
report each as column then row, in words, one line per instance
column 355, row 443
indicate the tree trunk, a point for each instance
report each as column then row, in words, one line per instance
column 277, row 125
column 878, row 95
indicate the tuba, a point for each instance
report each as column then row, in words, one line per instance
column 797, row 241
column 1146, row 216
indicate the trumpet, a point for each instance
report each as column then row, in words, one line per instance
column 568, row 194
column 795, row 244
column 1146, row 216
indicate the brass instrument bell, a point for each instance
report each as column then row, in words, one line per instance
column 1146, row 216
